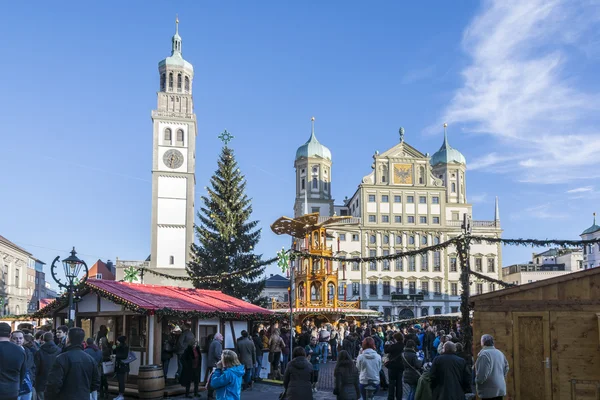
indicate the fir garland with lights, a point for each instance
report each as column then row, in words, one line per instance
column 226, row 236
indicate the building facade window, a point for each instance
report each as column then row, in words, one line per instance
column 453, row 267
column 167, row 136
column 355, row 237
column 412, row 287
column 411, row 240
column 171, row 81
column 371, row 198
column 386, row 263
column 355, row 289
column 386, row 239
column 385, row 198
column 478, row 264
column 398, row 263
column 397, row 199
column 180, row 137
column 437, row 288
column 435, row 200
column 171, row 260
column 454, row 309
column 423, row 239
column 479, row 288
column 491, row 287
column 315, row 183
column 454, row 289
column 425, row 287
column 436, row 220
column 385, row 218
column 410, row 199
column 491, row 265
column 437, row 267
column 399, row 239
column 398, row 219
column 355, row 266
column 399, row 287
column 372, row 218
column 422, row 220
column 187, row 84
column 422, row 199
column 437, row 310
column 373, row 288
column 386, row 288
column 342, row 237
column 424, row 311
column 411, row 219
column 424, row 262
column 372, row 239
column 372, row 264
column 411, row 263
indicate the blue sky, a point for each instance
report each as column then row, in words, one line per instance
column 516, row 81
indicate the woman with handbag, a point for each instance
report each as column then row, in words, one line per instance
column 297, row 381
column 412, row 367
column 346, row 378
column 121, row 367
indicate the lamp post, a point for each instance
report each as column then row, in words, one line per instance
column 72, row 266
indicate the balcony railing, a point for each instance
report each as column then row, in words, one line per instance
column 285, row 305
column 475, row 224
column 345, row 220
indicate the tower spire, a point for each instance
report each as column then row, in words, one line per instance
column 497, row 211
column 312, row 127
column 445, row 134
column 176, row 40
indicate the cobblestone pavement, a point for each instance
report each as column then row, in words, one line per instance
column 263, row 391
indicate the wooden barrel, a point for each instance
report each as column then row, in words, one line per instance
column 151, row 382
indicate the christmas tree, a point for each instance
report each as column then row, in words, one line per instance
column 226, row 236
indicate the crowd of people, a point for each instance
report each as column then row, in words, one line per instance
column 63, row 364
column 418, row 362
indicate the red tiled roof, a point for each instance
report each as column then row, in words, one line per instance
column 100, row 267
column 153, row 297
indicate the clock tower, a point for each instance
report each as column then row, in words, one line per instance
column 173, row 164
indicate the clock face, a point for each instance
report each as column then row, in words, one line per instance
column 173, row 159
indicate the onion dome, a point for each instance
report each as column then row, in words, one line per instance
column 593, row 228
column 313, row 148
column 447, row 154
column 176, row 58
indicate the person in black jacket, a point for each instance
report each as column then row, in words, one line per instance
column 258, row 345
column 44, row 360
column 412, row 366
column 192, row 365
column 12, row 365
column 346, row 378
column 74, row 374
column 121, row 368
column 297, row 380
column 395, row 366
column 450, row 379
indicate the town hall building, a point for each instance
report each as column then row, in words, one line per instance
column 408, row 201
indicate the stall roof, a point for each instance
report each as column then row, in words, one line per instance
column 155, row 298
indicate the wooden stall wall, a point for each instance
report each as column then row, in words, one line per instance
column 550, row 334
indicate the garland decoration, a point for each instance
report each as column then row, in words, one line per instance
column 537, row 242
column 422, row 250
column 492, row 280
column 283, row 260
column 210, row 278
column 131, row 274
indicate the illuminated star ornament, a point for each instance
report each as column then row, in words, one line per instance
column 226, row 137
column 283, row 260
column 131, row 274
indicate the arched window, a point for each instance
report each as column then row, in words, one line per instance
column 179, row 137
column 168, row 137
column 179, row 82
column 187, row 84
column 315, row 169
column 163, row 81
column 330, row 291
column 303, row 184
column 315, row 291
column 171, row 81
column 421, row 175
column 436, row 240
column 453, row 187
column 325, row 185
column 171, row 260
column 372, row 239
column 424, row 311
column 423, row 239
column 437, row 310
column 315, row 183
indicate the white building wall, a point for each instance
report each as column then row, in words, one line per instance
column 171, row 211
column 173, row 243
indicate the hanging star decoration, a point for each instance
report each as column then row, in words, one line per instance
column 283, row 260
column 226, row 137
column 131, row 274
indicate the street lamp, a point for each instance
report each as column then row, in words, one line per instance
column 72, row 266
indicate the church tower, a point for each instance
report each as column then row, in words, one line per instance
column 450, row 166
column 313, row 177
column 173, row 164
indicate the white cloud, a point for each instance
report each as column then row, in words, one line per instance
column 519, row 90
column 542, row 211
column 581, row 189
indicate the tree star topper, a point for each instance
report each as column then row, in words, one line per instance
column 283, row 260
column 131, row 274
column 226, row 137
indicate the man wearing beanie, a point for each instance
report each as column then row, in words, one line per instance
column 12, row 365
column 74, row 374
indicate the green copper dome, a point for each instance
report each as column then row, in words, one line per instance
column 176, row 59
column 447, row 154
column 593, row 228
column 313, row 148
